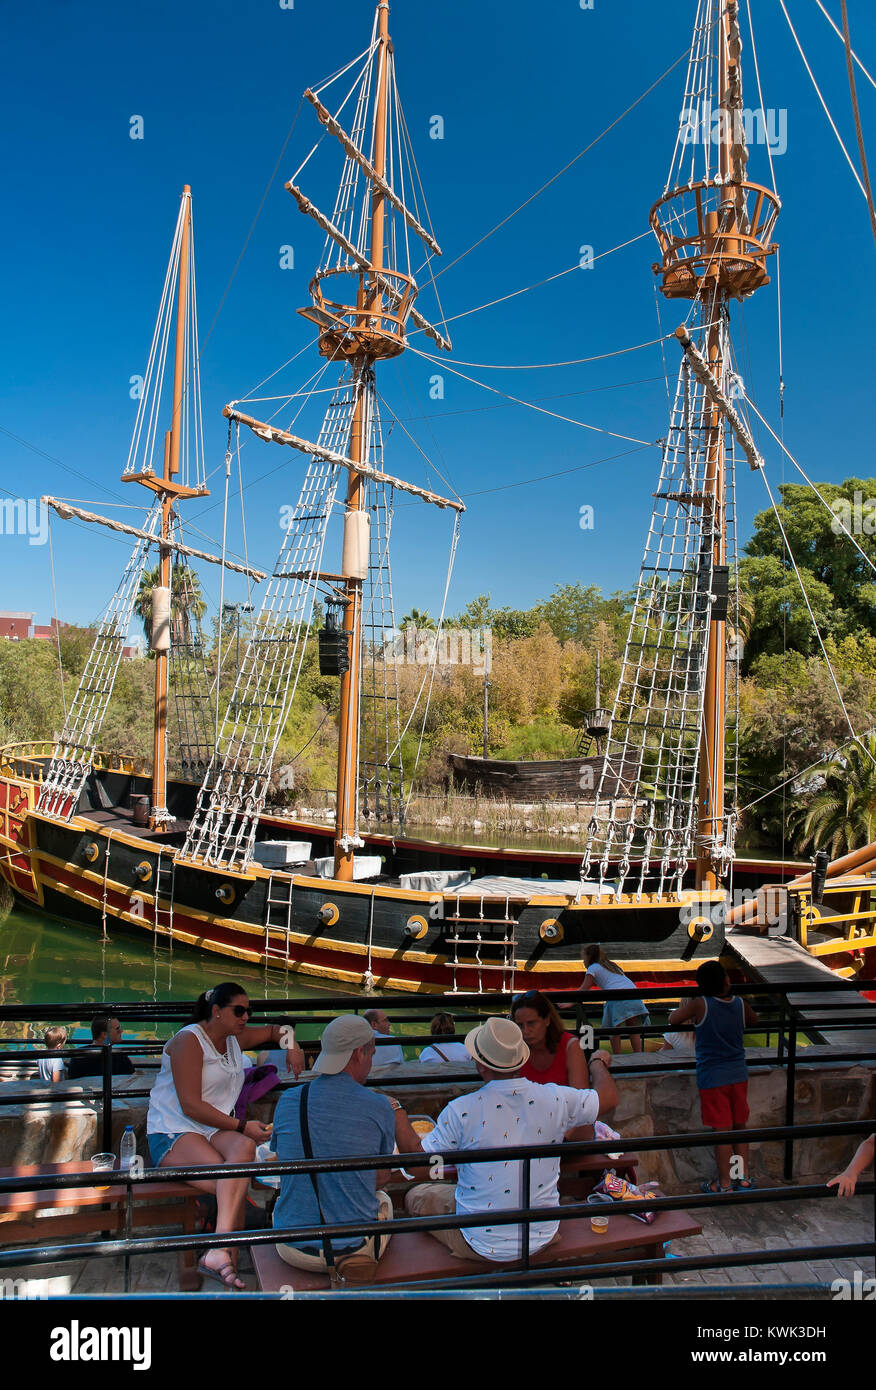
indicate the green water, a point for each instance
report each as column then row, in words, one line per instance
column 44, row 961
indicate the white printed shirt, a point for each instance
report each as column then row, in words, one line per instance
column 513, row 1112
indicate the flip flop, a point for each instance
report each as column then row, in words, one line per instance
column 743, row 1184
column 221, row 1275
column 715, row 1188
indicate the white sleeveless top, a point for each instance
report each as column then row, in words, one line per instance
column 221, row 1084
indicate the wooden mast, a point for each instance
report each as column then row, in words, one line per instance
column 348, row 720
column 715, row 236
column 159, row 813
column 710, row 804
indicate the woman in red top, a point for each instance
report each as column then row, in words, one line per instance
column 554, row 1054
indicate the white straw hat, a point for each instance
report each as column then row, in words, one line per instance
column 498, row 1044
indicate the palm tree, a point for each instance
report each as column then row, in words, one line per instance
column 419, row 621
column 188, row 605
column 841, row 816
column 143, row 602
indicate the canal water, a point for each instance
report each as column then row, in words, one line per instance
column 44, row 961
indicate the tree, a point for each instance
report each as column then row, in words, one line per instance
column 791, row 720
column 838, row 580
column 841, row 814
column 187, row 603
column 419, row 620
column 572, row 612
column 501, row 622
column 777, row 616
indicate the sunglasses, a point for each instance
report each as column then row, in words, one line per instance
column 241, row 1010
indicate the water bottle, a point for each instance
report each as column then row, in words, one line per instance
column 128, row 1147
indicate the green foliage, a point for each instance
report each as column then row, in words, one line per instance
column 543, row 678
column 838, row 580
column 572, row 612
column 187, row 603
column 838, row 812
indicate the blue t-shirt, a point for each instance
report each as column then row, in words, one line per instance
column 345, row 1120
column 720, row 1046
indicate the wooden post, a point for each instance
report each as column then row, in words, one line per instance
column 710, row 819
column 348, row 718
column 711, row 770
column 159, row 812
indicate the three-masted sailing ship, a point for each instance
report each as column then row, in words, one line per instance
column 194, row 857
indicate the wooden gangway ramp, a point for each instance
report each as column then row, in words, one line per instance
column 779, row 961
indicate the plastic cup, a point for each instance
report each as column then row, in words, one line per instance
column 599, row 1224
column 103, row 1163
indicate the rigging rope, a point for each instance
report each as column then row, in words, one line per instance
column 553, row 179
column 252, row 228
column 823, row 500
column 222, row 580
column 821, row 99
column 418, row 447
column 857, row 114
column 547, row 366
column 760, row 92
column 537, row 285
column 838, row 32
column 836, row 687
column 795, row 777
column 57, row 621
column 544, row 477
column 541, row 410
column 431, row 668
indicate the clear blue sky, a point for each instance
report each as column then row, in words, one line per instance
column 521, row 89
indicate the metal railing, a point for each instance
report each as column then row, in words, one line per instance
column 788, row 1026
column 519, row 1272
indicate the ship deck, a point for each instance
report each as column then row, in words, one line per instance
column 780, row 961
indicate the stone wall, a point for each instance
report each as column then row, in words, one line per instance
column 653, row 1102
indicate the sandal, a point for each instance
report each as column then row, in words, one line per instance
column 743, row 1184
column 226, row 1275
column 715, row 1188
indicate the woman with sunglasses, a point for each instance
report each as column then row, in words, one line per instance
column 191, row 1107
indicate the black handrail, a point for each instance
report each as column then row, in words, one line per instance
column 311, row 1004
column 129, row 1246
column 790, row 1024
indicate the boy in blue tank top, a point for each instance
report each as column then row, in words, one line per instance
column 719, row 1018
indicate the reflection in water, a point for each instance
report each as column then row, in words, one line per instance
column 46, row 961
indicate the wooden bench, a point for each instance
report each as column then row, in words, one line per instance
column 416, row 1255
column 579, row 1176
column 84, row 1209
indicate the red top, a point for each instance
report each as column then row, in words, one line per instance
column 557, row 1072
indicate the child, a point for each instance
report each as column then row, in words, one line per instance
column 683, row 1044
column 51, row 1069
column 719, row 1019
column 603, row 974
column 846, row 1180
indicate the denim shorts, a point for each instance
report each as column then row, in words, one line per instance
column 159, row 1145
column 616, row 1012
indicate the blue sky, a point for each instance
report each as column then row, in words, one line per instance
column 521, row 89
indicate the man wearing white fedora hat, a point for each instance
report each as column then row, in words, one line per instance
column 510, row 1110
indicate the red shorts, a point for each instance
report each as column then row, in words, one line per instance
column 725, row 1107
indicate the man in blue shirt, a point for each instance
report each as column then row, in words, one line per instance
column 343, row 1119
